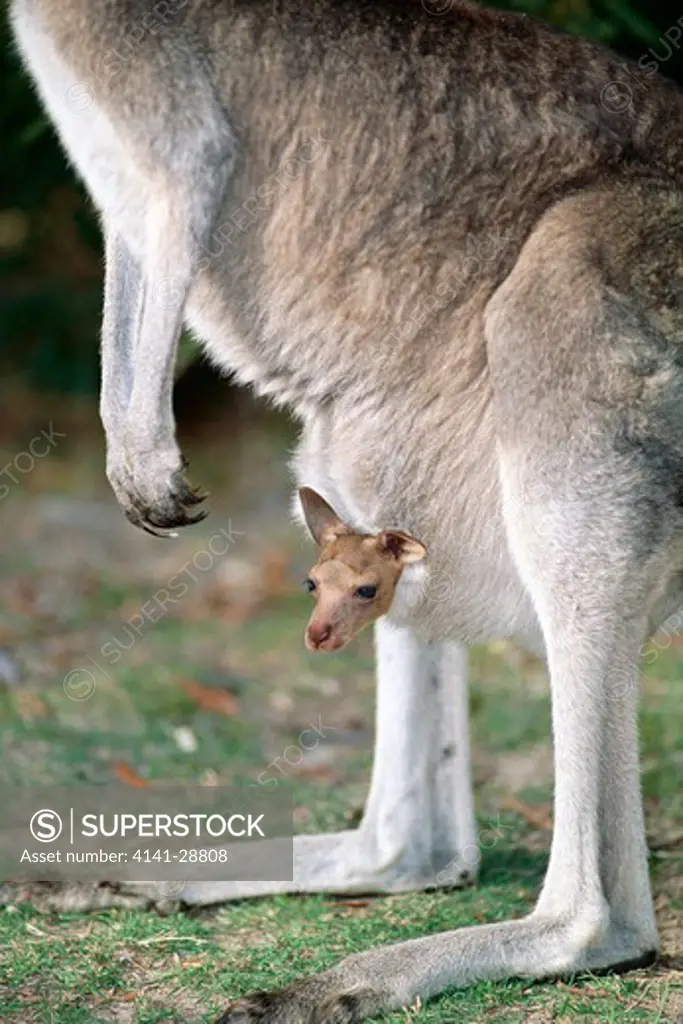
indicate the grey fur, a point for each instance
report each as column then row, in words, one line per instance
column 443, row 244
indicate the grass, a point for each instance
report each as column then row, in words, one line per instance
column 136, row 965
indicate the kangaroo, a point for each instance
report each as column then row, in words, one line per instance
column 355, row 578
column 453, row 246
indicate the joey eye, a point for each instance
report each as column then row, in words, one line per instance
column 366, row 593
column 309, row 584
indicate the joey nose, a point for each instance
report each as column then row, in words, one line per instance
column 317, row 635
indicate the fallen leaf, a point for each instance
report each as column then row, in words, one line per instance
column 317, row 773
column 22, row 597
column 538, row 816
column 212, row 699
column 29, row 705
column 301, row 815
column 282, row 702
column 126, row 774
column 185, row 739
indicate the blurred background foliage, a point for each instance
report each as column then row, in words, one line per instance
column 50, row 245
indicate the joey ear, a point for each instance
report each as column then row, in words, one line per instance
column 321, row 519
column 401, row 545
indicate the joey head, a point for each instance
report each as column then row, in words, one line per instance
column 355, row 578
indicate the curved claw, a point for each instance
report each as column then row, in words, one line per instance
column 172, row 518
column 135, row 519
column 154, row 533
column 189, row 494
column 198, row 518
column 168, row 513
column 195, row 496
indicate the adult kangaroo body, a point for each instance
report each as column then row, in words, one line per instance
column 453, row 246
